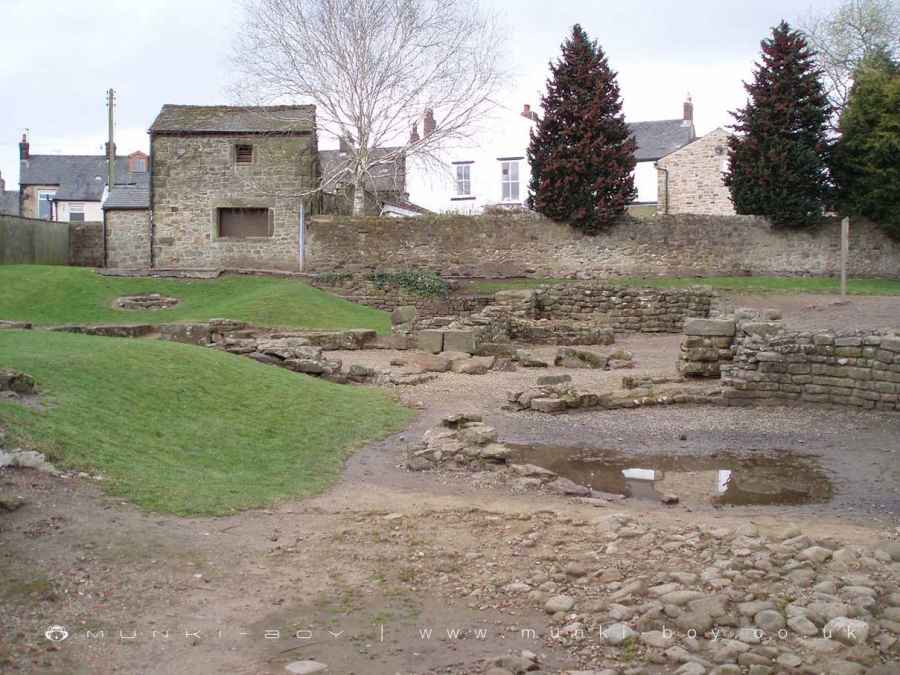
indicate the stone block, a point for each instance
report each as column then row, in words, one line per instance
column 187, row 333
column 709, row 327
column 761, row 328
column 405, row 314
column 460, row 341
column 430, row 341
column 548, row 405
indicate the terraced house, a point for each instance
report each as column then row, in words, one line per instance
column 71, row 188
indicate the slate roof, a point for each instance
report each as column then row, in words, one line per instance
column 78, row 177
column 660, row 137
column 9, row 202
column 223, row 119
column 387, row 177
column 127, row 197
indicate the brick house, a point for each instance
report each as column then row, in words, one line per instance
column 690, row 178
column 226, row 187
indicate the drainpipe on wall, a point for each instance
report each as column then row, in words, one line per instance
column 301, row 234
column 665, row 189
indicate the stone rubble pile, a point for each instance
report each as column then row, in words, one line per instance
column 16, row 382
column 461, row 440
column 146, row 301
column 551, row 396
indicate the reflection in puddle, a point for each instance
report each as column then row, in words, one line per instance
column 770, row 478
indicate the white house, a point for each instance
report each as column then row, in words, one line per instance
column 492, row 168
column 489, row 169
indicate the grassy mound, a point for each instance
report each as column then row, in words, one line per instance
column 187, row 430
column 54, row 295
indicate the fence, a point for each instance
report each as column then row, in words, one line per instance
column 29, row 241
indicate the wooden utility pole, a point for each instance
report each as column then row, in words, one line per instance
column 110, row 144
column 845, row 250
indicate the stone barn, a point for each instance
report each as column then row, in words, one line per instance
column 227, row 184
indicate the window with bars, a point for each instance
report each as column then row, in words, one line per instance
column 509, row 180
column 463, row 179
column 243, row 154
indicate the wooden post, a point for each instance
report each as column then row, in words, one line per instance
column 845, row 250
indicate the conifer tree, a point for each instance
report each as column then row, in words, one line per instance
column 777, row 157
column 865, row 162
column 582, row 153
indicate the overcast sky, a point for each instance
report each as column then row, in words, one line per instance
column 58, row 57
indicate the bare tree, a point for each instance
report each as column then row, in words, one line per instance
column 373, row 68
column 845, row 36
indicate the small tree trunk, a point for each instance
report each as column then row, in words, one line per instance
column 359, row 197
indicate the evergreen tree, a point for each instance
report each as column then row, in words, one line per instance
column 777, row 157
column 865, row 162
column 582, row 153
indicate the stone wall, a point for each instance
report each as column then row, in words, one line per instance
column 690, row 179
column 860, row 370
column 356, row 288
column 194, row 175
column 524, row 244
column 86, row 244
column 128, row 238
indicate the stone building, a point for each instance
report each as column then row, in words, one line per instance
column 691, row 178
column 126, row 221
column 227, row 185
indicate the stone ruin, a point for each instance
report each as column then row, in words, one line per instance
column 145, row 301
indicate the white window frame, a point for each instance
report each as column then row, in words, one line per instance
column 507, row 181
column 49, row 194
column 76, row 207
column 463, row 181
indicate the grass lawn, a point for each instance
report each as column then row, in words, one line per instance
column 187, row 430
column 46, row 294
column 736, row 284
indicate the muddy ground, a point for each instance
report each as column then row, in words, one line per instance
column 357, row 577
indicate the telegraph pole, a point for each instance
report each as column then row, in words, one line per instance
column 111, row 145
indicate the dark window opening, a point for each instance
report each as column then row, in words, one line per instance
column 243, row 154
column 243, row 222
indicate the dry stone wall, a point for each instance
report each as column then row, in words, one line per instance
column 524, row 244
column 859, row 369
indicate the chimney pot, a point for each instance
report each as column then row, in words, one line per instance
column 688, row 110
column 414, row 134
column 24, row 148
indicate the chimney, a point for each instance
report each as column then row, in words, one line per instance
column 345, row 145
column 528, row 113
column 23, row 148
column 428, row 124
column 689, row 110
column 2, row 183
column 414, row 134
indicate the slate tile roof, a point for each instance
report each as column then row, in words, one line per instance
column 127, row 197
column 205, row 119
column 660, row 137
column 78, row 177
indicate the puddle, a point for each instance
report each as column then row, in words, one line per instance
column 723, row 478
